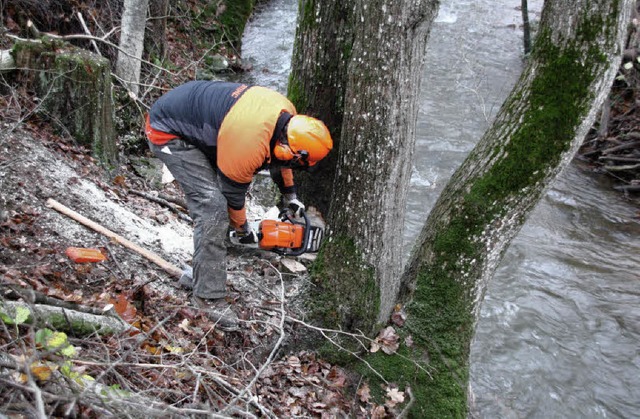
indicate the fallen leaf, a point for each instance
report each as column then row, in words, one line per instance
column 378, row 412
column 124, row 308
column 364, row 393
column 174, row 349
column 395, row 397
column 119, row 180
column 398, row 318
column 337, row 377
column 387, row 340
column 184, row 325
column 42, row 372
column 408, row 341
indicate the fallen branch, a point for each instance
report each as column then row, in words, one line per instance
column 178, row 201
column 164, row 202
column 620, row 159
column 627, row 188
column 622, row 168
column 168, row 267
column 30, row 296
column 68, row 320
column 625, row 146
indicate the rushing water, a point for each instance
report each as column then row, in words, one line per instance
column 559, row 331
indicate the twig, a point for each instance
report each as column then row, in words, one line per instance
column 95, row 38
column 620, row 158
column 627, row 188
column 37, row 394
column 622, row 168
column 114, row 260
column 88, row 32
column 624, row 146
column 195, row 390
column 336, row 344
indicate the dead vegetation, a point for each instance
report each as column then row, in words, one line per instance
column 613, row 145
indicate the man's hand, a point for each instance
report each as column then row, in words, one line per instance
column 246, row 235
column 292, row 202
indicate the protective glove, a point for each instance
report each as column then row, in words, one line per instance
column 246, row 235
column 292, row 202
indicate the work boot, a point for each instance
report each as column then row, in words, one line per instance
column 186, row 279
column 218, row 310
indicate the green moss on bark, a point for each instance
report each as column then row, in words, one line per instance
column 345, row 294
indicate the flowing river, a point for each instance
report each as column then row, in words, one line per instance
column 559, row 333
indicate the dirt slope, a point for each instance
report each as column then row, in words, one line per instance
column 33, row 239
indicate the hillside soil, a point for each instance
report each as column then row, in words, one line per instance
column 204, row 367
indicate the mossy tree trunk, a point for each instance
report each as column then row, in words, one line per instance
column 379, row 52
column 74, row 86
column 535, row 135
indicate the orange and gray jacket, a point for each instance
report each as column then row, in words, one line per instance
column 233, row 124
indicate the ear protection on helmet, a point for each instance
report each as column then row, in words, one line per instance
column 282, row 151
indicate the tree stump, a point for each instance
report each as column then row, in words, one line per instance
column 74, row 87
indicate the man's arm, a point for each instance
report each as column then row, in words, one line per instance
column 235, row 194
column 283, row 178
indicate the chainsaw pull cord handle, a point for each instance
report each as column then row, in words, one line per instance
column 307, row 233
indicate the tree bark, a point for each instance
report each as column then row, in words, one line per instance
column 526, row 27
column 132, row 43
column 386, row 43
column 574, row 60
column 317, row 84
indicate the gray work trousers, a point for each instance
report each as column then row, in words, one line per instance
column 208, row 209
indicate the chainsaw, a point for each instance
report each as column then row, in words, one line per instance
column 286, row 235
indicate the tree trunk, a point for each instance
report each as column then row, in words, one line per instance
column 156, row 37
column 318, row 81
column 361, row 264
column 131, row 43
column 526, row 27
column 74, row 86
column 535, row 135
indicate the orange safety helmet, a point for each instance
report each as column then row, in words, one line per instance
column 308, row 140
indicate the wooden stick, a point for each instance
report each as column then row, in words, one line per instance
column 168, row 267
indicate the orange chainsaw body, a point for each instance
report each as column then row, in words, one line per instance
column 280, row 234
